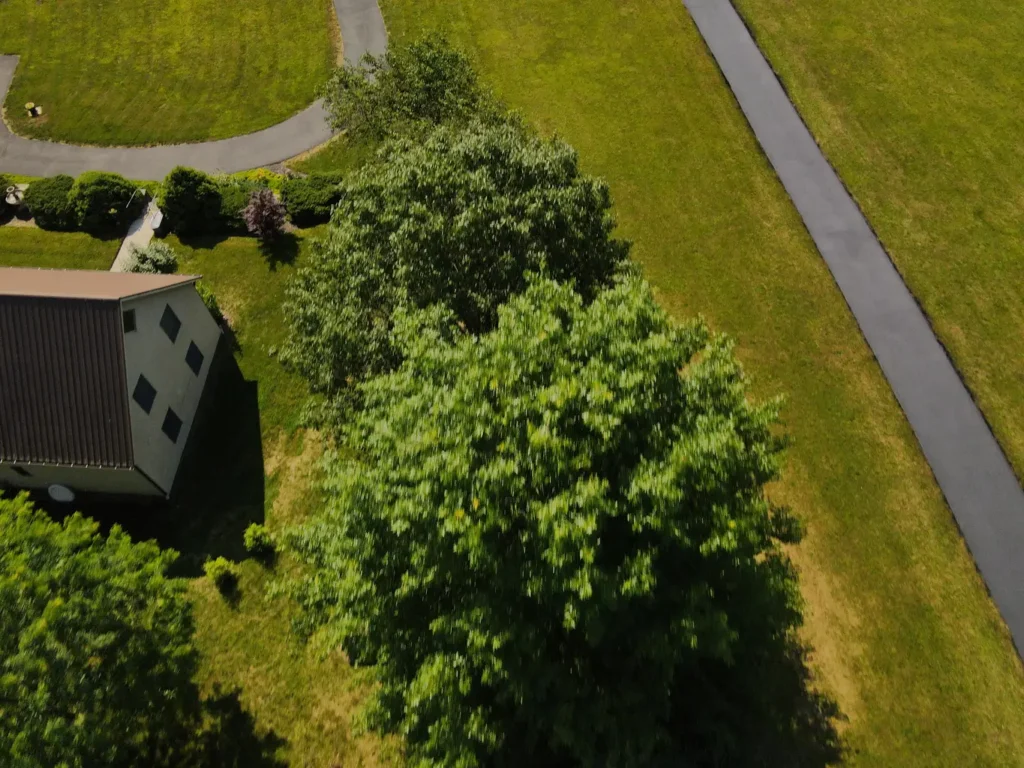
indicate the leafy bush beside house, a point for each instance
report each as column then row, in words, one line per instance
column 97, row 655
column 105, row 202
column 155, row 258
column 49, row 202
column 309, row 200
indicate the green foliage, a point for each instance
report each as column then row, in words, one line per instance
column 223, row 573
column 235, row 194
column 459, row 218
column 105, row 202
column 49, row 202
column 555, row 546
column 155, row 258
column 411, row 87
column 96, row 654
column 191, row 201
column 309, row 200
column 210, row 300
column 258, row 542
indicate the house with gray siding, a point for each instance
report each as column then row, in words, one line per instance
column 101, row 376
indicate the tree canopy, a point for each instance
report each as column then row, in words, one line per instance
column 460, row 218
column 96, row 654
column 408, row 89
column 554, row 543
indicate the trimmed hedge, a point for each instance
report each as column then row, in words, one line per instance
column 309, row 201
column 191, row 201
column 49, row 202
column 234, row 197
column 103, row 202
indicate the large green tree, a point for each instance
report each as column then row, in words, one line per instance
column 459, row 218
column 96, row 653
column 410, row 88
column 555, row 546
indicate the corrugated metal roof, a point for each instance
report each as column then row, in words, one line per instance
column 84, row 284
column 63, row 397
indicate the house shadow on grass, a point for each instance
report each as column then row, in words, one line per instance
column 220, row 490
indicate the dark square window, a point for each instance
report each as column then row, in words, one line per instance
column 170, row 323
column 128, row 320
column 21, row 471
column 144, row 394
column 172, row 425
column 194, row 358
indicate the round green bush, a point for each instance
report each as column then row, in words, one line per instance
column 191, row 201
column 258, row 542
column 223, row 574
column 234, row 197
column 155, row 258
column 104, row 202
column 48, row 200
column 309, row 200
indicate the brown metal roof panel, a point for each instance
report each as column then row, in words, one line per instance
column 84, row 283
column 63, row 397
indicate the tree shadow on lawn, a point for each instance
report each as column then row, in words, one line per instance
column 283, row 249
column 776, row 715
column 230, row 739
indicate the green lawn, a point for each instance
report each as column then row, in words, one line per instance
column 148, row 72
column 31, row 247
column 906, row 636
column 338, row 154
column 918, row 105
column 306, row 700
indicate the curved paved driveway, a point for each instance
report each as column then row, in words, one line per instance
column 362, row 31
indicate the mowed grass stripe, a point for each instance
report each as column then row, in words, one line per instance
column 136, row 72
column 31, row 247
column 905, row 635
column 917, row 104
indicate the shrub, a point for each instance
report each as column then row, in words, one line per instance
column 309, row 201
column 223, row 573
column 206, row 294
column 48, row 200
column 234, row 197
column 155, row 258
column 191, row 201
column 105, row 201
column 97, row 646
column 258, row 542
column 264, row 215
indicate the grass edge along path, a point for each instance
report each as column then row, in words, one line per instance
column 978, row 483
column 904, row 632
column 917, row 106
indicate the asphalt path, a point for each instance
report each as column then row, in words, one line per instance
column 970, row 467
